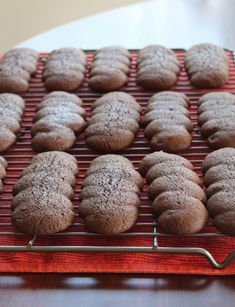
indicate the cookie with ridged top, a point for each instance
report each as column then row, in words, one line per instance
column 114, row 122
column 11, row 112
column 65, row 69
column 57, row 122
column 207, row 65
column 109, row 198
column 158, row 68
column 110, row 68
column 16, row 68
column 178, row 199
column 41, row 202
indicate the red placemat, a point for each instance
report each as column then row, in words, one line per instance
column 142, row 234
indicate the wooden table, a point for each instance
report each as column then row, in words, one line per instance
column 187, row 22
column 60, row 290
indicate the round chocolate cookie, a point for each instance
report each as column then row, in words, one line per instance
column 172, row 168
column 176, row 183
column 159, row 157
column 168, row 124
column 158, row 68
column 176, row 193
column 16, row 67
column 3, row 166
column 178, row 213
column 207, row 65
column 56, row 124
column 42, row 212
column 219, row 174
column 11, row 111
column 216, row 117
column 110, row 68
column 41, row 202
column 114, row 123
column 109, row 198
column 221, row 156
column 65, row 69
column 221, row 185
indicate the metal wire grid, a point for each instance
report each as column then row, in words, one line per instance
column 19, row 156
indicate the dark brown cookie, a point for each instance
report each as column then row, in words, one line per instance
column 114, row 123
column 42, row 179
column 16, row 67
column 64, row 160
column 172, row 168
column 160, row 157
column 168, row 123
column 168, row 96
column 116, row 50
column 158, row 68
column 176, row 193
column 3, row 166
column 110, row 68
column 225, row 113
column 57, row 123
column 221, row 208
column 109, row 101
column 178, row 213
column 41, row 204
column 219, row 174
column 119, row 172
column 221, row 185
column 207, row 65
column 216, row 117
column 65, row 69
column 109, row 198
column 111, row 159
column 11, row 111
column 176, row 183
column 220, row 156
column 42, row 212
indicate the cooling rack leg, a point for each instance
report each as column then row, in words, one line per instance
column 31, row 242
column 155, row 238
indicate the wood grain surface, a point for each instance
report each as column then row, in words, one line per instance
column 60, row 290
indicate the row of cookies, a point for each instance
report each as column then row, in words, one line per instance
column 115, row 120
column 110, row 195
column 157, row 68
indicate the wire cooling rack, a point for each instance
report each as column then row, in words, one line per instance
column 144, row 237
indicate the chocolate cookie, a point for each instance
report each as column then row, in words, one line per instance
column 171, row 168
column 11, row 111
column 219, row 173
column 58, row 119
column 216, row 117
column 168, row 124
column 114, row 122
column 110, row 68
column 221, row 156
column 160, row 157
column 178, row 213
column 207, row 65
column 221, row 185
column 65, row 69
column 157, row 68
column 41, row 203
column 176, row 193
column 16, row 67
column 109, row 198
column 3, row 166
